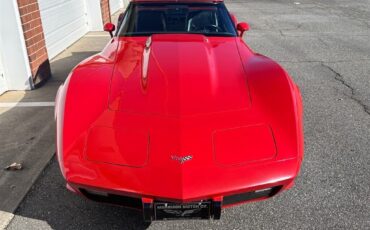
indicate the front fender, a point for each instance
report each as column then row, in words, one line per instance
column 277, row 98
column 81, row 100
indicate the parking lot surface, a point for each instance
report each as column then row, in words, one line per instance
column 325, row 47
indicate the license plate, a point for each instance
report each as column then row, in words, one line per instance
column 172, row 211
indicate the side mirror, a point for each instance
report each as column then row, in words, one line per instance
column 109, row 27
column 242, row 27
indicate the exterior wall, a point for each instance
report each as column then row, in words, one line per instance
column 15, row 64
column 3, row 83
column 34, row 38
column 25, row 60
column 126, row 3
column 115, row 5
column 105, row 10
column 94, row 15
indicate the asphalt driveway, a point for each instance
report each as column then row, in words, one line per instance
column 325, row 46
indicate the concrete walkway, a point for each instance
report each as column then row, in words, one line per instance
column 27, row 127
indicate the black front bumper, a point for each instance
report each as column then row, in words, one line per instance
column 167, row 210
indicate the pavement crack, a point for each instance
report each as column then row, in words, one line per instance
column 323, row 42
column 299, row 61
column 339, row 78
column 281, row 33
column 321, row 62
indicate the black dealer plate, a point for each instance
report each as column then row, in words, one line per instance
column 172, row 211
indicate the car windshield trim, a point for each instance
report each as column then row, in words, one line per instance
column 205, row 34
column 177, row 18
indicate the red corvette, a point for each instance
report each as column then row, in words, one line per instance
column 177, row 116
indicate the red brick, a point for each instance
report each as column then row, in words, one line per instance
column 33, row 34
column 105, row 11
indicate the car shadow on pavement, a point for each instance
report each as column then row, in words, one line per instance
column 49, row 201
column 27, row 136
column 27, row 130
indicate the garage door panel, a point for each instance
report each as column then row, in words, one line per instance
column 56, row 17
column 54, row 35
column 3, row 87
column 70, row 27
column 52, row 3
column 115, row 5
column 58, row 45
column 64, row 22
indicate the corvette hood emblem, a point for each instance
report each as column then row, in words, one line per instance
column 182, row 160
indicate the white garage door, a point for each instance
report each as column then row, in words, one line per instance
column 115, row 5
column 64, row 22
column 2, row 78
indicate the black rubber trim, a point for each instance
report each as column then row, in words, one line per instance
column 148, row 212
column 125, row 201
column 243, row 197
column 216, row 210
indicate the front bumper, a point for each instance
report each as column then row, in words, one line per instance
column 154, row 209
column 222, row 187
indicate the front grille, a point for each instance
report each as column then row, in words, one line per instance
column 126, row 201
column 243, row 197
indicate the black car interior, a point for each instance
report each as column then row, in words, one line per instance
column 177, row 18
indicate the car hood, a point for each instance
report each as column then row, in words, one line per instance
column 178, row 75
column 191, row 101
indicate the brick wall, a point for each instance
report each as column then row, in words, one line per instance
column 35, row 41
column 105, row 11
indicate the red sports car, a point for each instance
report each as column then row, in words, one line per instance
column 177, row 116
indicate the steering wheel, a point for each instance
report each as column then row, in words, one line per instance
column 213, row 28
column 202, row 28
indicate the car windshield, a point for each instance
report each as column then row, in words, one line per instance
column 144, row 19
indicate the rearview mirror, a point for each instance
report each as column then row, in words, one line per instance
column 242, row 27
column 109, row 27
